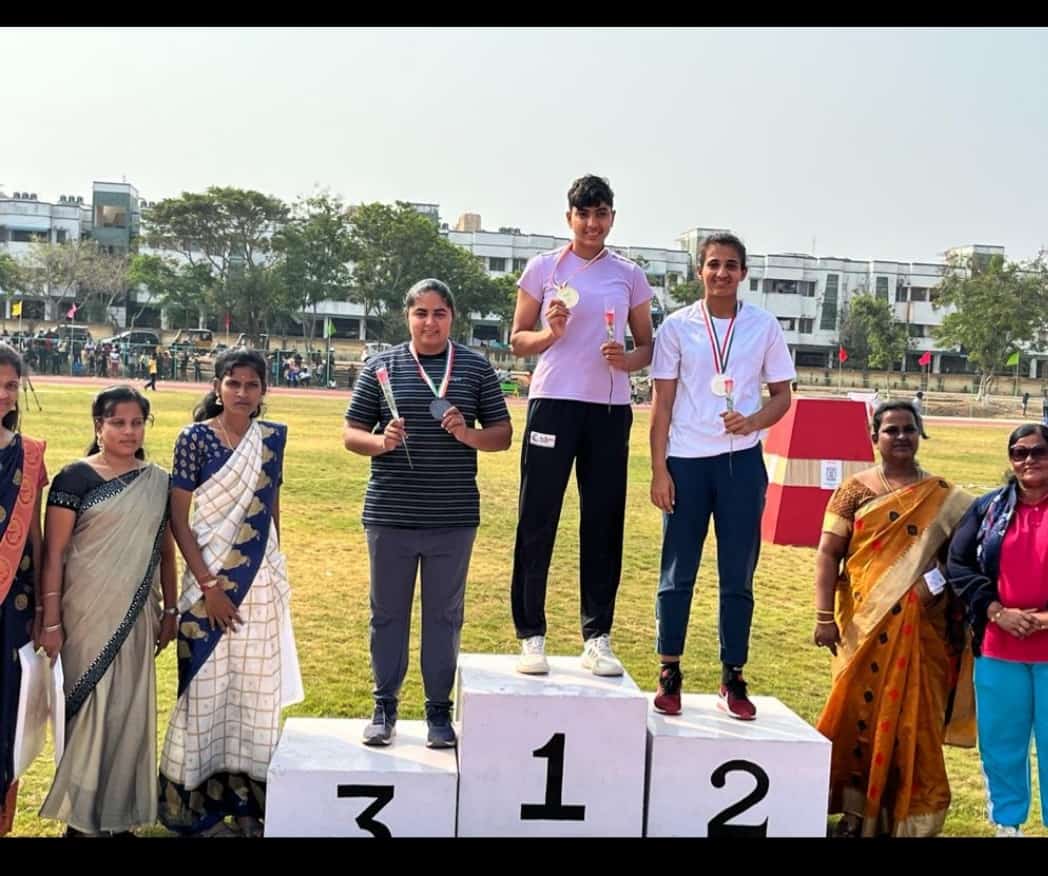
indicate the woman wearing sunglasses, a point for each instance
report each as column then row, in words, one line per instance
column 998, row 564
column 896, row 635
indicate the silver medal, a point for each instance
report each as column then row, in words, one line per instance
column 438, row 407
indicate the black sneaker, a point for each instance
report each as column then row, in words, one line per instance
column 440, row 733
column 383, row 726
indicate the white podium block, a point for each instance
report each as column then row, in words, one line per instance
column 713, row 775
column 323, row 781
column 548, row 755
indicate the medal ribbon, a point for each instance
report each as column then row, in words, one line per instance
column 720, row 353
column 560, row 258
column 439, row 393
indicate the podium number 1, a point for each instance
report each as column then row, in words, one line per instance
column 718, row 826
column 552, row 809
column 366, row 820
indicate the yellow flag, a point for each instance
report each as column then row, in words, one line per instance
column 16, row 309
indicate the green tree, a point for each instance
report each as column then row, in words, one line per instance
column 315, row 247
column 392, row 247
column 229, row 231
column 688, row 291
column 180, row 288
column 999, row 307
column 871, row 334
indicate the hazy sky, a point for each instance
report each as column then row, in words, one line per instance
column 883, row 143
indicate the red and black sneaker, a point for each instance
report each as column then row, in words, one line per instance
column 667, row 697
column 733, row 699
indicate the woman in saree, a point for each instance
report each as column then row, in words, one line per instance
column 22, row 478
column 106, row 544
column 237, row 664
column 897, row 638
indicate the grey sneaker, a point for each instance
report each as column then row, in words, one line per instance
column 383, row 726
column 439, row 732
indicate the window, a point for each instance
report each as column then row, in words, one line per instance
column 754, row 284
column 900, row 293
column 882, row 288
column 917, row 330
column 806, row 288
column 780, row 287
column 109, row 216
column 60, row 235
column 19, row 235
column 672, row 280
column 828, row 322
column 496, row 264
column 656, row 280
column 807, row 326
column 519, row 265
column 788, row 323
column 918, row 293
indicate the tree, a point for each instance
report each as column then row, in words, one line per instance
column 688, row 291
column 182, row 289
column 999, row 307
column 392, row 247
column 230, row 232
column 315, row 247
column 870, row 333
column 12, row 276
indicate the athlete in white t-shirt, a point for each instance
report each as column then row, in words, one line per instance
column 707, row 415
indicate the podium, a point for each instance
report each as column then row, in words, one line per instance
column 548, row 755
column 323, row 781
column 712, row 775
column 564, row 754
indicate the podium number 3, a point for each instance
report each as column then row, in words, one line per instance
column 718, row 826
column 552, row 809
column 366, row 820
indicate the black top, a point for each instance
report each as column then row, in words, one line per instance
column 439, row 488
column 73, row 484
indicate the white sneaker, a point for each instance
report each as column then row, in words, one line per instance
column 533, row 656
column 1007, row 830
column 598, row 658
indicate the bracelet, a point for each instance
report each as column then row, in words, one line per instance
column 173, row 611
column 209, row 584
column 825, row 623
column 996, row 615
column 53, row 627
column 52, row 593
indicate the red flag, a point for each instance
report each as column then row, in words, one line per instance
column 842, row 354
column 71, row 312
column 926, row 359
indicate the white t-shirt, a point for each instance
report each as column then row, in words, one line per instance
column 683, row 352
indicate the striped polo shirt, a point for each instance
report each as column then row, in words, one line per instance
column 439, row 488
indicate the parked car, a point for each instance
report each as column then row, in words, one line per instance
column 138, row 340
column 193, row 340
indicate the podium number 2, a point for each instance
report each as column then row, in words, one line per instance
column 718, row 826
column 366, row 820
column 552, row 809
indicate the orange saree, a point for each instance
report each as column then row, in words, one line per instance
column 899, row 677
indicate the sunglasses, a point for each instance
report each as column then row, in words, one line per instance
column 1018, row 453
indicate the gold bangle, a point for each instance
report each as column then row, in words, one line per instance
column 52, row 593
column 996, row 615
column 53, row 627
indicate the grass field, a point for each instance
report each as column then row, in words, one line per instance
column 323, row 538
